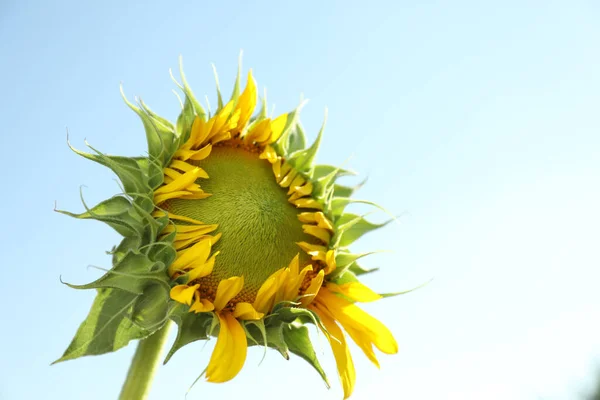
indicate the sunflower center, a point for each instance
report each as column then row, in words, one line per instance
column 260, row 227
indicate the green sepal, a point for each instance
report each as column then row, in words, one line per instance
column 351, row 227
column 220, row 98
column 297, row 138
column 133, row 273
column 127, row 244
column 191, row 327
column 291, row 314
column 276, row 341
column 189, row 94
column 303, row 160
column 107, row 327
column 130, row 171
column 343, row 260
column 322, row 170
column 385, row 295
column 298, row 341
column 157, row 143
column 358, row 270
column 282, row 145
column 346, row 277
column 117, row 212
column 347, row 191
column 185, row 122
column 262, row 330
column 324, row 185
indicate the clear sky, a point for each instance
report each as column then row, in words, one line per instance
column 478, row 124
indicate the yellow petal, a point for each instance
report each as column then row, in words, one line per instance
column 358, row 323
column 277, row 169
column 203, row 270
column 161, row 198
column 330, row 261
column 192, row 257
column 293, row 286
column 245, row 311
column 323, row 222
column 308, row 217
column 220, row 119
column 341, row 352
column 316, row 251
column 355, row 291
column 296, row 183
column 288, row 179
column 285, row 168
column 229, row 354
column 227, row 290
column 307, row 203
column 246, row 103
column 189, row 228
column 181, row 165
column 305, row 190
column 182, row 244
column 183, row 293
column 202, row 305
column 260, row 132
column 269, row 154
column 313, row 289
column 160, row 213
column 319, row 233
column 266, row 293
column 180, row 183
column 277, row 127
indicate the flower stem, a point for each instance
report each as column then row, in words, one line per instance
column 144, row 365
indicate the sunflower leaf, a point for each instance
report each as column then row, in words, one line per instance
column 107, row 327
column 192, row 327
column 298, row 342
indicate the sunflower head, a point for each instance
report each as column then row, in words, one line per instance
column 231, row 230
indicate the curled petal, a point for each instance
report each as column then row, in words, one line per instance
column 183, row 293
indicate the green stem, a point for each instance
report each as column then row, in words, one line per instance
column 144, row 365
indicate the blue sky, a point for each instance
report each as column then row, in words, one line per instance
column 477, row 123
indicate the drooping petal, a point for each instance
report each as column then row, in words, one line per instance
column 227, row 290
column 358, row 322
column 183, row 293
column 246, row 311
column 355, row 291
column 341, row 352
column 229, row 354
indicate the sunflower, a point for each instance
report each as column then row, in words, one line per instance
column 231, row 230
